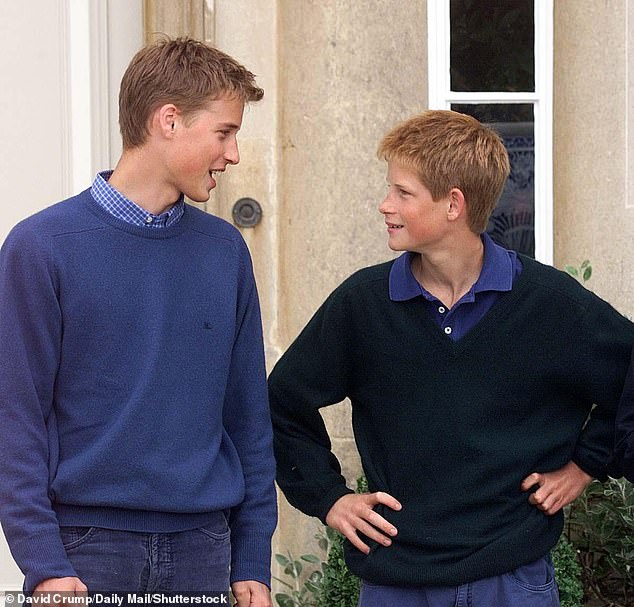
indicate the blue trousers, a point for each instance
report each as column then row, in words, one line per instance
column 121, row 561
column 532, row 585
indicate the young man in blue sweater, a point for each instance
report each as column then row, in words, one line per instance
column 472, row 372
column 136, row 440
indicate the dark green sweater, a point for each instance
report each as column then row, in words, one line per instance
column 448, row 428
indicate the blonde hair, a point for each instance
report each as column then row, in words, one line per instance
column 451, row 150
column 183, row 71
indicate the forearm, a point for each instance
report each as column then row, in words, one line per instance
column 624, row 442
column 308, row 472
column 607, row 339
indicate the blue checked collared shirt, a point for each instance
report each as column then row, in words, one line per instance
column 120, row 207
column 499, row 269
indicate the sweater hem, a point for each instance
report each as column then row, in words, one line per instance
column 140, row 521
column 391, row 568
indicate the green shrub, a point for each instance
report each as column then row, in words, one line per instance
column 302, row 589
column 600, row 524
column 568, row 574
column 329, row 585
column 339, row 587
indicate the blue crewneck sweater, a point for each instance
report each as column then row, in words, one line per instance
column 132, row 384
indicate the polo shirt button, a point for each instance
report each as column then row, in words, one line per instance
column 448, row 330
column 442, row 309
column 148, row 219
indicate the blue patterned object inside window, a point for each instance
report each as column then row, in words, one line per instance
column 512, row 224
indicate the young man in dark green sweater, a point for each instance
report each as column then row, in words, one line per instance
column 472, row 373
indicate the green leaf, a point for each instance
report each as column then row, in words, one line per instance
column 572, row 271
column 587, row 273
column 316, row 576
column 283, row 600
column 310, row 558
column 282, row 560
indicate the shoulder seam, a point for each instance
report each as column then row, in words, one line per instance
column 233, row 241
column 82, row 231
column 582, row 297
column 344, row 287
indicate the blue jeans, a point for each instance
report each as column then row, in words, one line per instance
column 532, row 585
column 122, row 561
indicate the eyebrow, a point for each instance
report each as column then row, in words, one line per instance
column 229, row 125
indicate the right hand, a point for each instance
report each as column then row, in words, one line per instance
column 62, row 584
column 355, row 512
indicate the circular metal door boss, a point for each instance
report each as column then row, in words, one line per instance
column 247, row 213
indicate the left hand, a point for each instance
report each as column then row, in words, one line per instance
column 556, row 489
column 251, row 594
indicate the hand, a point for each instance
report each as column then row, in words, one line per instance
column 355, row 512
column 70, row 586
column 61, row 584
column 251, row 594
column 558, row 488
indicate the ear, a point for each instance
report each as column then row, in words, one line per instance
column 165, row 120
column 457, row 205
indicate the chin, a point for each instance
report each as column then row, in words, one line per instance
column 198, row 196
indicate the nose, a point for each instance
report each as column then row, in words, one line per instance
column 384, row 207
column 232, row 155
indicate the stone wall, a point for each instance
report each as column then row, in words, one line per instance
column 593, row 109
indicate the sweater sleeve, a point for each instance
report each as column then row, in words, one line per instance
column 248, row 423
column 608, row 338
column 313, row 373
column 30, row 334
column 624, row 450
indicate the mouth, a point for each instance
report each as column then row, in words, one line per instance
column 213, row 174
column 393, row 226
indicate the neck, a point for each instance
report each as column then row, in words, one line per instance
column 450, row 273
column 135, row 176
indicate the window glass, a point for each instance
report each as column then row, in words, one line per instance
column 512, row 223
column 492, row 45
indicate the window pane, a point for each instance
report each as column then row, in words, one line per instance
column 492, row 45
column 513, row 221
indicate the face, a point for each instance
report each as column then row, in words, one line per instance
column 203, row 145
column 414, row 221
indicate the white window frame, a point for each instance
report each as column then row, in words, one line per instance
column 101, row 37
column 441, row 96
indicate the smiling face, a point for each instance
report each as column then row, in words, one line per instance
column 414, row 220
column 202, row 145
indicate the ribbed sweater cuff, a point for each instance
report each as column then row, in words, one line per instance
column 251, row 559
column 42, row 558
column 591, row 467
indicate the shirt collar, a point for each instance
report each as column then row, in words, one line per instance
column 497, row 274
column 121, row 207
